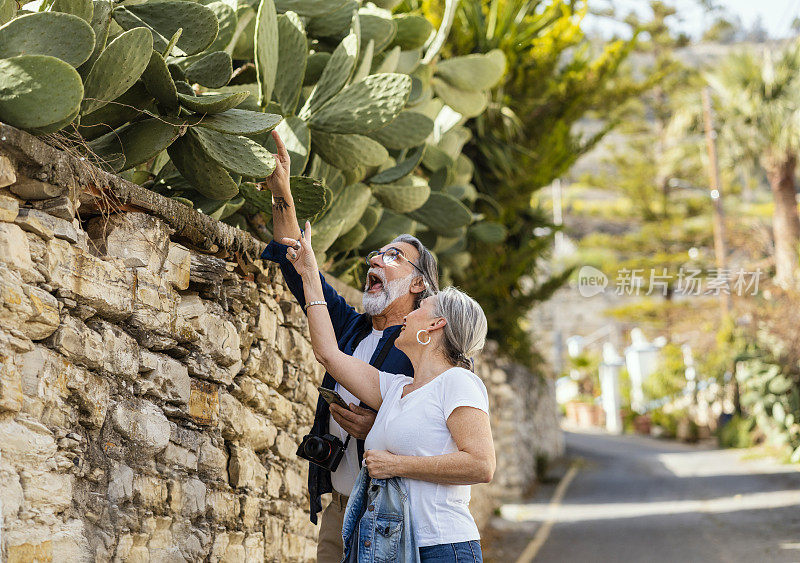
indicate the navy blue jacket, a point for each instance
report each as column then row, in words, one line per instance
column 350, row 327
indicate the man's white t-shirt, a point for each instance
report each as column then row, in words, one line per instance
column 345, row 475
column 416, row 425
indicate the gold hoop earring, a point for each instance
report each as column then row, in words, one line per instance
column 428, row 341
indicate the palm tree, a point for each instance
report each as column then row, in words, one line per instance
column 760, row 97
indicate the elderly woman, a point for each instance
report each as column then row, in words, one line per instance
column 432, row 430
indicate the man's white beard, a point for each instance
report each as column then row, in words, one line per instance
column 376, row 303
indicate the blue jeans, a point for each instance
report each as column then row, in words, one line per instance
column 462, row 552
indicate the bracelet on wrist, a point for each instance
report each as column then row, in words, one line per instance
column 313, row 303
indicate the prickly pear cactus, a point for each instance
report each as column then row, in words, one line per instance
column 182, row 97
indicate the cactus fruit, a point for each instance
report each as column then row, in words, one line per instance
column 412, row 31
column 165, row 17
column 81, row 8
column 205, row 175
column 364, row 106
column 409, row 129
column 240, row 122
column 212, row 71
column 238, row 155
column 399, row 170
column 473, row 72
column 145, row 139
column 37, row 91
column 466, row 102
column 336, row 74
column 63, row 36
column 266, row 49
column 120, row 64
column 159, row 82
column 309, row 8
column 404, row 196
column 292, row 57
column 344, row 151
column 212, row 103
column 442, row 213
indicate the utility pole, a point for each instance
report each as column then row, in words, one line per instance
column 720, row 252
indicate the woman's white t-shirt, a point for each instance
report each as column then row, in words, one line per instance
column 416, row 425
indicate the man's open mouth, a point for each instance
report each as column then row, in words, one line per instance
column 374, row 283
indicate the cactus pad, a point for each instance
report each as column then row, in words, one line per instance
column 334, row 24
column 371, row 217
column 106, row 152
column 343, row 151
column 488, row 232
column 473, row 72
column 212, row 103
column 377, row 24
column 404, row 196
column 81, row 8
column 466, row 102
column 309, row 8
column 37, row 91
column 349, row 205
column 315, row 64
column 205, row 175
column 236, row 154
column 159, row 83
column 292, row 57
column 212, row 71
column 442, row 213
column 310, row 198
column 164, row 18
column 350, row 240
column 364, row 106
column 120, row 64
column 390, row 225
column 266, row 49
column 63, row 36
column 241, row 122
column 226, row 18
column 401, row 169
column 412, row 31
column 336, row 74
column 435, row 158
column 409, row 129
column 145, row 139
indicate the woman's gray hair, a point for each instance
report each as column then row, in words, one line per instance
column 465, row 331
column 426, row 263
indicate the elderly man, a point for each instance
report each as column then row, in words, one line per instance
column 400, row 275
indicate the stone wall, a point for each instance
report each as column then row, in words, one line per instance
column 152, row 395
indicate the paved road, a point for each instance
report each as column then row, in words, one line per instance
column 640, row 499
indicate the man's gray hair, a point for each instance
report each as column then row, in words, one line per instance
column 426, row 263
column 465, row 331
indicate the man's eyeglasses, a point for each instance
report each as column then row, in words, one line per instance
column 390, row 255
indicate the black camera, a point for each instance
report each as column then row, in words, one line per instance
column 326, row 451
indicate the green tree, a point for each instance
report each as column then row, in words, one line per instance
column 759, row 97
column 528, row 137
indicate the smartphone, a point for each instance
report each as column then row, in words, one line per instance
column 332, row 397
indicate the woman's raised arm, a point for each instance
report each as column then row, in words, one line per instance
column 358, row 377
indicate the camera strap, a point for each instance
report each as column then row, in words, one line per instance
column 387, row 346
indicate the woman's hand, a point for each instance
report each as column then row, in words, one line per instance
column 278, row 181
column 300, row 253
column 381, row 464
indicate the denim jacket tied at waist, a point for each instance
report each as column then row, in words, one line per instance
column 377, row 522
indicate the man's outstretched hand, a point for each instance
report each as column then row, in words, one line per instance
column 278, row 181
column 357, row 421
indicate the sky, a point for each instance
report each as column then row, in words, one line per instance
column 776, row 15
